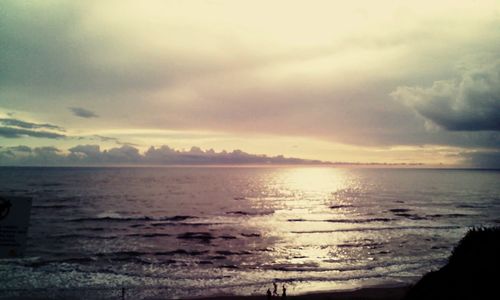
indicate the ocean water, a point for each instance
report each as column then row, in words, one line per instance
column 198, row 231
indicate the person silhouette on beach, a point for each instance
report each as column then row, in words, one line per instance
column 283, row 296
column 268, row 294
column 275, row 291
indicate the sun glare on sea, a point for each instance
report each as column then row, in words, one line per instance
column 321, row 180
column 303, row 203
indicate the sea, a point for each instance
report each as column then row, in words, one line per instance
column 186, row 232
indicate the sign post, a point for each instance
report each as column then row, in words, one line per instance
column 14, row 222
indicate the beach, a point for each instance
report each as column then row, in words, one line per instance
column 373, row 293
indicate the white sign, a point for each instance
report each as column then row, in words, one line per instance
column 14, row 221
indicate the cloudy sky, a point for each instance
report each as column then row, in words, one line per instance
column 357, row 81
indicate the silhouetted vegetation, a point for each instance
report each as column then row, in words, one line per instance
column 472, row 272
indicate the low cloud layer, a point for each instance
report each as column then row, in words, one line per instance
column 82, row 112
column 128, row 155
column 469, row 103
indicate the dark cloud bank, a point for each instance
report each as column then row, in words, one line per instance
column 92, row 155
column 128, row 155
column 483, row 159
column 469, row 103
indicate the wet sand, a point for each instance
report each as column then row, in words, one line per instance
column 373, row 293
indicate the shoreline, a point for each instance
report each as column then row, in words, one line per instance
column 372, row 292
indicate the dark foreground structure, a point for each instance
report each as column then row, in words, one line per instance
column 473, row 270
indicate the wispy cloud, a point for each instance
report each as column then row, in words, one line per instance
column 82, row 112
column 10, row 132
column 112, row 139
column 28, row 125
column 16, row 128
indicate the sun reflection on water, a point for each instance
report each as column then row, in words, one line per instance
column 304, row 197
column 322, row 180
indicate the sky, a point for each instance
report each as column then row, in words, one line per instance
column 398, row 82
